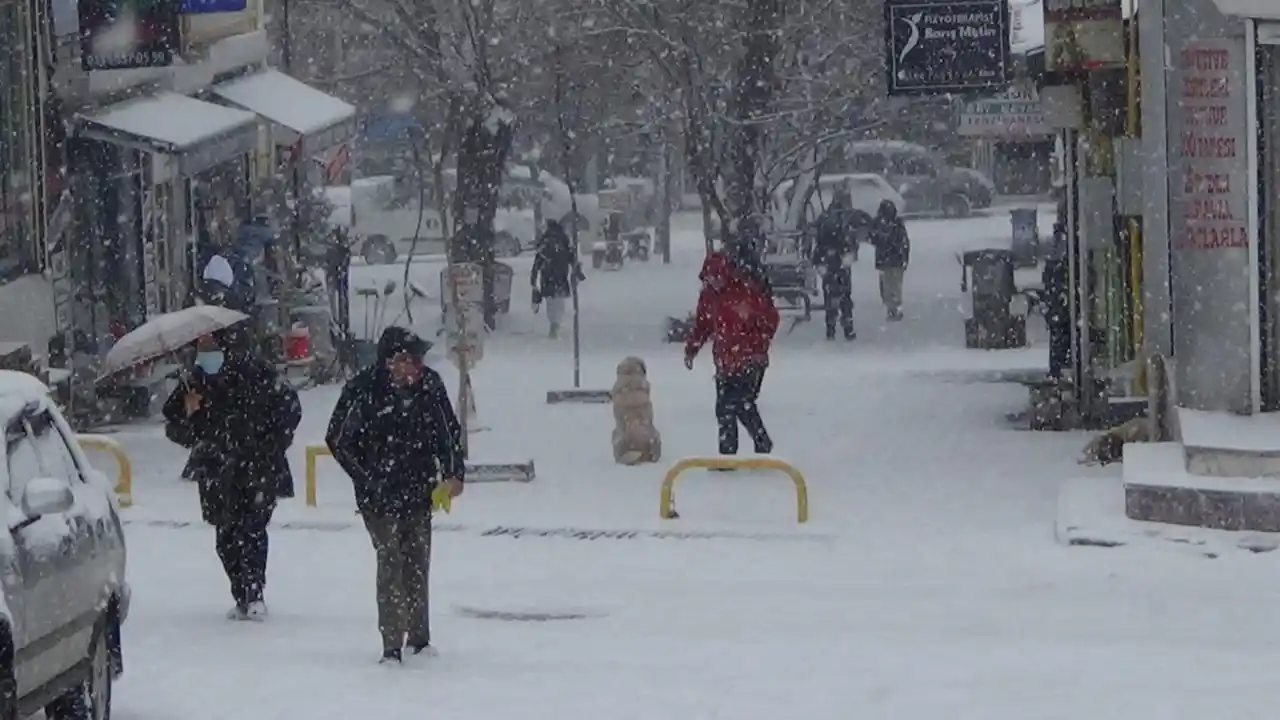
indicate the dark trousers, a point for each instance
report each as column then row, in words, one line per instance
column 403, row 549
column 242, row 544
column 837, row 297
column 736, row 396
column 1059, row 324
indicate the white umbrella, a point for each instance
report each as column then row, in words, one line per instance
column 166, row 334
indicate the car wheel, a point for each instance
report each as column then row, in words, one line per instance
column 92, row 700
column 956, row 206
column 506, row 245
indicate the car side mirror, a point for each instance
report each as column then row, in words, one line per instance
column 46, row 496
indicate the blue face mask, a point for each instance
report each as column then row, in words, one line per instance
column 210, row 361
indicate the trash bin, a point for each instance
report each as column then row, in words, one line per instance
column 1026, row 237
column 988, row 276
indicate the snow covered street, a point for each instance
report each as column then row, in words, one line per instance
column 926, row 585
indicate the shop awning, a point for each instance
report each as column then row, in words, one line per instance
column 318, row 120
column 198, row 135
column 1256, row 9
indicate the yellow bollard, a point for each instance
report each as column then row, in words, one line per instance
column 124, row 468
column 667, row 499
column 314, row 452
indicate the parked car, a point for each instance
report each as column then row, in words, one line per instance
column 65, row 595
column 923, row 177
column 866, row 191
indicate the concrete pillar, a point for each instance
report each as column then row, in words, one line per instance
column 1196, row 144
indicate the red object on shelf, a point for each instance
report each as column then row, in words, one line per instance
column 297, row 345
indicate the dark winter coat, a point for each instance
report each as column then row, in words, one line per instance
column 835, row 238
column 393, row 442
column 893, row 247
column 554, row 265
column 238, row 437
column 739, row 339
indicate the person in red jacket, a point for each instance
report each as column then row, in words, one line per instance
column 736, row 313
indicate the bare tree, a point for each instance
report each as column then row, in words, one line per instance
column 757, row 95
column 460, row 57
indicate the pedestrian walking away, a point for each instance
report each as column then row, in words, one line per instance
column 394, row 432
column 737, row 315
column 555, row 270
column 237, row 416
column 834, row 252
column 893, row 254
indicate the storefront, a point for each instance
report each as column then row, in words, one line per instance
column 304, row 124
column 167, row 173
column 19, row 168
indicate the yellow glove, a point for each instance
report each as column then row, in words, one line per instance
column 441, row 499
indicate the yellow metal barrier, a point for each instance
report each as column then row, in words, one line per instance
column 667, row 510
column 124, row 468
column 314, row 452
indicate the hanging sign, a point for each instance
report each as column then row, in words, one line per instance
column 123, row 34
column 946, row 47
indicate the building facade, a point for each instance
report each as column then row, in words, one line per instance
column 19, row 156
column 1211, row 129
column 163, row 162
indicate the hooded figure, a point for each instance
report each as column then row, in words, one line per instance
column 835, row 249
column 738, row 316
column 893, row 253
column 635, row 439
column 555, row 270
column 238, row 418
column 395, row 434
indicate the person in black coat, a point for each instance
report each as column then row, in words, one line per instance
column 394, row 432
column 835, row 248
column 893, row 254
column 238, row 418
column 555, row 270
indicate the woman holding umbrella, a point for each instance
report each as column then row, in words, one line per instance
column 238, row 417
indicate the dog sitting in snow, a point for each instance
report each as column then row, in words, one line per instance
column 635, row 439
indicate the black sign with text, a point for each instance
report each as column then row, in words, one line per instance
column 948, row 46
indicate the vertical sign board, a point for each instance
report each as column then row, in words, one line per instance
column 1208, row 222
column 123, row 34
column 946, row 47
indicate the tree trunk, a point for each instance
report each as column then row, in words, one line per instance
column 482, row 157
column 753, row 100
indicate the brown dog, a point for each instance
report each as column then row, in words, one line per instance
column 635, row 439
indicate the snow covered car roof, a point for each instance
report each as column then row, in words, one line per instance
column 18, row 390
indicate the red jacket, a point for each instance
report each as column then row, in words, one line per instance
column 734, row 313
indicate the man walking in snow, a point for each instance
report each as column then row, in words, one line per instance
column 555, row 270
column 736, row 313
column 394, row 432
column 834, row 251
column 238, row 418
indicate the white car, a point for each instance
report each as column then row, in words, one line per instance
column 866, row 190
column 65, row 595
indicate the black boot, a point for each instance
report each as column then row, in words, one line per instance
column 393, row 655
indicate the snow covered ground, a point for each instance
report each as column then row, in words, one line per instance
column 927, row 584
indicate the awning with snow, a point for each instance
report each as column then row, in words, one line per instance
column 1256, row 9
column 318, row 120
column 198, row 135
